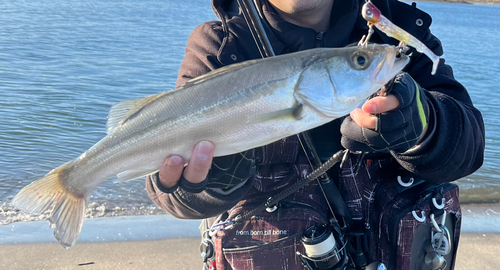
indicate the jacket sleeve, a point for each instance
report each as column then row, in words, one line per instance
column 227, row 182
column 230, row 176
column 453, row 145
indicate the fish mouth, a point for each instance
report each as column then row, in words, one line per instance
column 392, row 63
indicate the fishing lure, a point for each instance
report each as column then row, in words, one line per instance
column 374, row 17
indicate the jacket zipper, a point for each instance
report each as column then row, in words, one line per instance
column 319, row 39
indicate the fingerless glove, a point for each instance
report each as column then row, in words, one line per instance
column 396, row 130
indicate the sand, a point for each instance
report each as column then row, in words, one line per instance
column 476, row 251
column 164, row 242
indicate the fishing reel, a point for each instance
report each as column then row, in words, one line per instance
column 322, row 249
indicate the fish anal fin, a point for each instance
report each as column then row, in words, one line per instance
column 69, row 211
column 125, row 110
column 134, row 174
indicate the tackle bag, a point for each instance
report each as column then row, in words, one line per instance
column 404, row 222
column 397, row 221
column 268, row 240
column 271, row 238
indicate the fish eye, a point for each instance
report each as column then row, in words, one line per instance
column 360, row 60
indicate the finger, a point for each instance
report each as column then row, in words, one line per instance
column 381, row 104
column 364, row 119
column 171, row 171
column 201, row 160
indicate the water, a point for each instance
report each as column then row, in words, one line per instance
column 64, row 63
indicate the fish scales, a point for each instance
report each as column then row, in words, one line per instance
column 179, row 132
column 210, row 102
column 238, row 107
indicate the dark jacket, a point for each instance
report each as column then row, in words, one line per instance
column 453, row 146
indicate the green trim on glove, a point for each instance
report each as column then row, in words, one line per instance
column 397, row 130
column 421, row 112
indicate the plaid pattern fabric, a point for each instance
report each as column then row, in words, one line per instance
column 230, row 171
column 374, row 196
column 270, row 240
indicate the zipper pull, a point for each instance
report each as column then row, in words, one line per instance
column 319, row 38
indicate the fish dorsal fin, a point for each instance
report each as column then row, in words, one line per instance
column 219, row 72
column 125, row 110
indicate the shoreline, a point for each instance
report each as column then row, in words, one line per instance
column 475, row 251
column 477, row 218
column 165, row 242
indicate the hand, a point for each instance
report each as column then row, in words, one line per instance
column 392, row 122
column 365, row 117
column 195, row 172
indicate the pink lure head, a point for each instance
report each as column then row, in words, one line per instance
column 370, row 12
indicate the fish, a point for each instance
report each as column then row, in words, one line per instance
column 374, row 16
column 237, row 107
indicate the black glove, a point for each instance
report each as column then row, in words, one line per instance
column 226, row 173
column 396, row 130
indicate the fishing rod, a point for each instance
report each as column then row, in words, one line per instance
column 256, row 28
column 255, row 23
column 330, row 191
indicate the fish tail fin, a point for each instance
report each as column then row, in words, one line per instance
column 69, row 210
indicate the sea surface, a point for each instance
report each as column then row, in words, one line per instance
column 64, row 63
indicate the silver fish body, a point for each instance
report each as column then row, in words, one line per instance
column 238, row 107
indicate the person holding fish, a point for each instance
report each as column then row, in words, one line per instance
column 425, row 125
column 223, row 145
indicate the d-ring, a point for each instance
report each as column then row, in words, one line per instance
column 438, row 206
column 271, row 209
column 421, row 219
column 407, row 184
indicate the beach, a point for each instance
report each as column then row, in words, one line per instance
column 66, row 63
column 476, row 251
column 164, row 242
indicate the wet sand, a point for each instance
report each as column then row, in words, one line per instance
column 164, row 242
column 476, row 251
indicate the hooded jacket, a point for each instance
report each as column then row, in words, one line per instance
column 453, row 146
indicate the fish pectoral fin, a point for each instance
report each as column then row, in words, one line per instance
column 133, row 174
column 293, row 112
column 126, row 110
column 69, row 210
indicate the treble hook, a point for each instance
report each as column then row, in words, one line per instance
column 363, row 42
